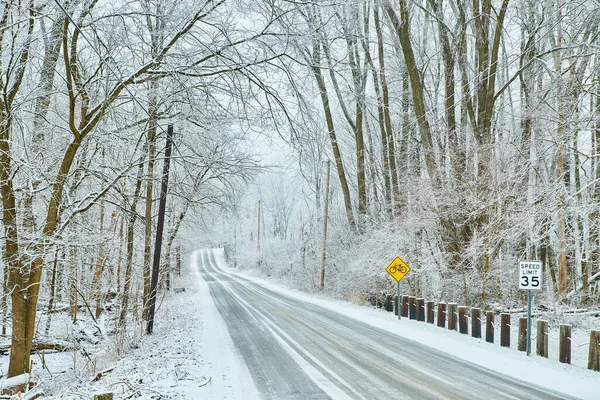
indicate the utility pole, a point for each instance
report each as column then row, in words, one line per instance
column 258, row 235
column 325, row 226
column 258, row 230
column 159, row 231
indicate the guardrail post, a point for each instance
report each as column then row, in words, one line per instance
column 564, row 351
column 441, row 315
column 541, row 348
column 463, row 320
column 420, row 309
column 476, row 322
column 388, row 303
column 404, row 306
column 430, row 315
column 522, row 343
column 489, row 327
column 412, row 308
column 505, row 330
column 594, row 351
column 452, row 316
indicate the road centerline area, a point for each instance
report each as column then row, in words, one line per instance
column 298, row 350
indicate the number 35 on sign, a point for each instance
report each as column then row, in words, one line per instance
column 530, row 275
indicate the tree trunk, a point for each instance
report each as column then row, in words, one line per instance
column 316, row 70
column 359, row 91
column 580, row 272
column 594, row 216
column 19, row 356
column 129, row 237
column 457, row 162
column 178, row 261
column 560, row 157
column 401, row 27
column 118, row 273
column 151, row 146
column 73, row 282
column 159, row 231
column 96, row 285
column 389, row 132
column 52, row 299
column 15, row 64
column 5, row 294
column 169, row 246
column 387, row 188
column 155, row 26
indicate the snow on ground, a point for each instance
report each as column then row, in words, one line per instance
column 191, row 356
column 574, row 380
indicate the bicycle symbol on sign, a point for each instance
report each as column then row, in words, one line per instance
column 398, row 268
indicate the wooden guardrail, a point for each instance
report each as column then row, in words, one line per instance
column 476, row 322
column 541, row 347
column 452, row 316
column 594, row 351
column 564, row 348
column 489, row 327
column 457, row 318
column 412, row 309
column 505, row 330
column 429, row 312
column 522, row 340
column 463, row 320
column 420, row 305
column 441, row 322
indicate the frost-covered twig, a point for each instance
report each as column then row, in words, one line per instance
column 206, row 383
column 101, row 374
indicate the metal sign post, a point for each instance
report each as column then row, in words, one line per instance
column 398, row 269
column 530, row 278
column 529, row 322
column 398, row 302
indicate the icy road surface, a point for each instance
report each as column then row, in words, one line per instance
column 298, row 350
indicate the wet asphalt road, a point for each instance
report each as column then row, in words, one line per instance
column 298, row 350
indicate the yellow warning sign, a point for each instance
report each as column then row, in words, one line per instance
column 398, row 269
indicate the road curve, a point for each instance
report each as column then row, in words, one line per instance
column 298, row 350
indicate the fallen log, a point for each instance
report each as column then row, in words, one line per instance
column 33, row 393
column 62, row 308
column 14, row 385
column 576, row 311
column 42, row 345
column 59, row 345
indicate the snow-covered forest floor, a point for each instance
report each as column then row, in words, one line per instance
column 190, row 356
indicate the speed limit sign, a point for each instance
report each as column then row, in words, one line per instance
column 530, row 275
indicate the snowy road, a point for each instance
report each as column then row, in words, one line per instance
column 298, row 350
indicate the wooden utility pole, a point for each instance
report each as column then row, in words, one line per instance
column 159, row 231
column 326, row 214
column 258, row 230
